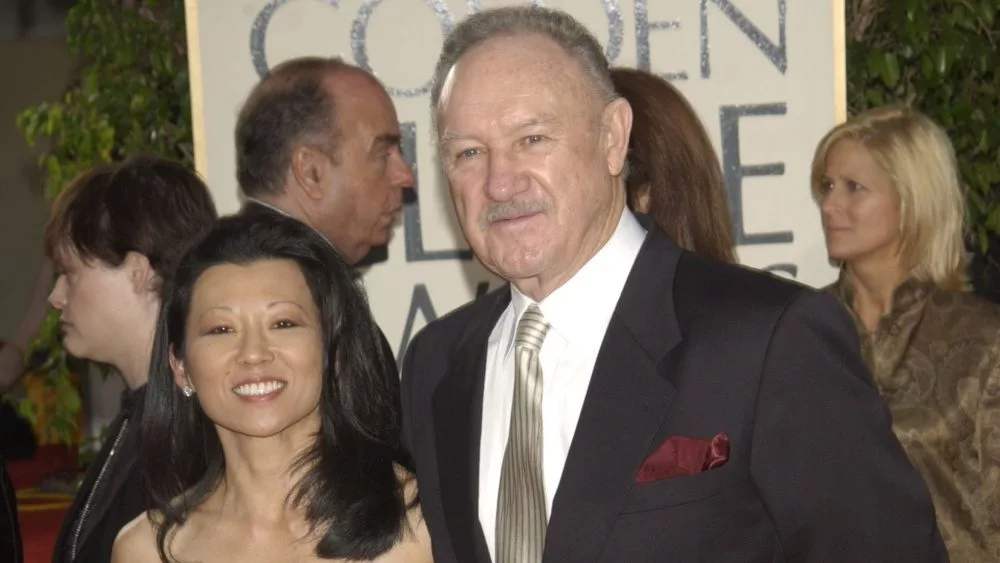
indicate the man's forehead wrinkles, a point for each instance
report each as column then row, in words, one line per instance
column 501, row 127
column 511, row 113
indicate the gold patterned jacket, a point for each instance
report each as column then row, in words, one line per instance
column 936, row 360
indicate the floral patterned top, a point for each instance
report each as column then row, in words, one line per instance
column 936, row 360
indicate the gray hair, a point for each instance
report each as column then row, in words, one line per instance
column 510, row 21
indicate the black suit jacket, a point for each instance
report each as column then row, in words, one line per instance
column 693, row 348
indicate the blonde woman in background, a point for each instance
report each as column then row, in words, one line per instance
column 887, row 185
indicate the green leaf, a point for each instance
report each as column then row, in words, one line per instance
column 993, row 219
column 875, row 97
column 963, row 18
column 927, row 66
column 988, row 12
column 28, row 410
column 941, row 61
column 890, row 71
column 976, row 201
column 27, row 122
column 876, row 64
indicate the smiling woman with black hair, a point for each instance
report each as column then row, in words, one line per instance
column 271, row 431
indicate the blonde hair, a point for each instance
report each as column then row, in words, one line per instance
column 919, row 158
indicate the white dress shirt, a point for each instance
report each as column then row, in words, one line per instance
column 578, row 312
column 268, row 205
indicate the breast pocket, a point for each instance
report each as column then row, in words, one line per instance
column 676, row 491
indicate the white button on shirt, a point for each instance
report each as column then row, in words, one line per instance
column 578, row 312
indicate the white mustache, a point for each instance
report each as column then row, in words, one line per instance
column 509, row 210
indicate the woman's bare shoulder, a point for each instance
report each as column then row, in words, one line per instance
column 414, row 545
column 136, row 542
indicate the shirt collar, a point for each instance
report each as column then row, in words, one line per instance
column 269, row 206
column 598, row 285
column 289, row 215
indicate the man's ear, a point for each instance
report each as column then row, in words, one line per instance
column 616, row 125
column 141, row 273
column 310, row 167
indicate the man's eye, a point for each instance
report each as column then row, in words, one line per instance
column 467, row 153
column 533, row 139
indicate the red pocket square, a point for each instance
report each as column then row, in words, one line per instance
column 680, row 455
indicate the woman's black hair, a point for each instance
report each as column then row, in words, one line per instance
column 350, row 491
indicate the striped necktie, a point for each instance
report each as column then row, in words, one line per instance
column 521, row 518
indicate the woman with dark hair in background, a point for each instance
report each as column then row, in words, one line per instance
column 272, row 432
column 673, row 173
column 115, row 235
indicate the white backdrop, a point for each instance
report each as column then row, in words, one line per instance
column 766, row 77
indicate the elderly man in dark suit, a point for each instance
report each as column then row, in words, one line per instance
column 621, row 399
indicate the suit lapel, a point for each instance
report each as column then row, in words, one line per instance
column 458, row 412
column 628, row 397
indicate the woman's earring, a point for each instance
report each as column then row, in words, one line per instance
column 187, row 390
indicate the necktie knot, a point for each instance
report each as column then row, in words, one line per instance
column 531, row 329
